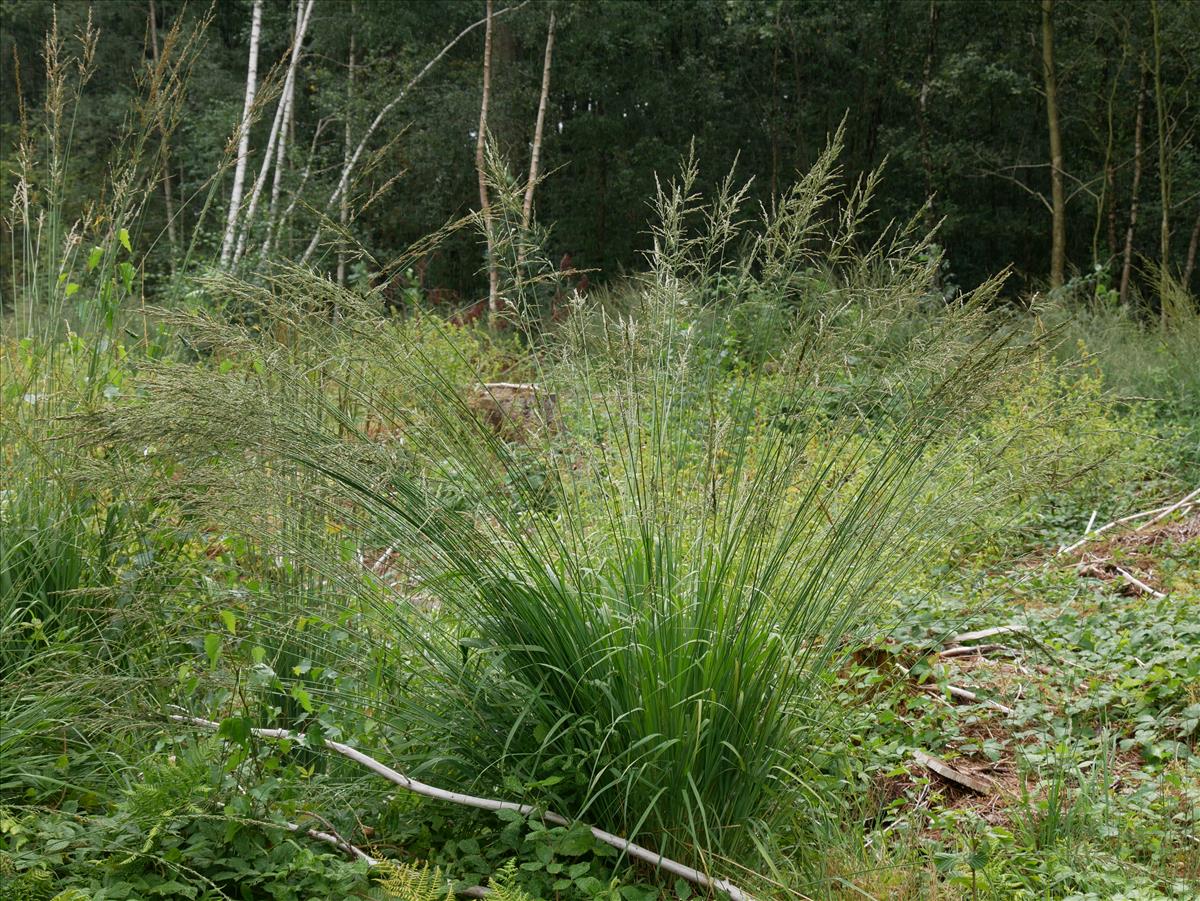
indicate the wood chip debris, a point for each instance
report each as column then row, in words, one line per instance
column 968, row 780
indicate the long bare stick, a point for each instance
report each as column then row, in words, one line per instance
column 332, row 838
column 1138, row 583
column 440, row 794
column 1183, row 503
column 963, row 694
column 344, row 181
column 986, row 633
column 336, row 840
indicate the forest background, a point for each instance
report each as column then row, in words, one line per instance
column 953, row 95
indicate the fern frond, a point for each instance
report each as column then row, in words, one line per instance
column 410, row 882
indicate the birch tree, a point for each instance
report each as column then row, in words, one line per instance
column 344, row 211
column 281, row 150
column 1164, row 173
column 277, row 137
column 243, row 151
column 923, row 110
column 485, row 205
column 1189, row 265
column 1134, row 188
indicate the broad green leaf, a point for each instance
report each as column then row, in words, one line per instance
column 212, row 647
column 235, row 728
column 302, row 698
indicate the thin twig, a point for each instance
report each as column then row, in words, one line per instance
column 381, row 769
column 332, row 838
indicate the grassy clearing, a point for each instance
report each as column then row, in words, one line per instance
column 695, row 587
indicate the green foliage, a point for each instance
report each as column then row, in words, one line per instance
column 188, row 828
column 656, row 597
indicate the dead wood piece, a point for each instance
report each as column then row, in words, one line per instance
column 963, row 694
column 975, row 650
column 935, row 764
column 987, row 633
column 1158, row 513
column 516, row 410
column 332, row 838
column 696, row 877
column 1182, row 502
column 1138, row 583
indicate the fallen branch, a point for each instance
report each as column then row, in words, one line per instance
column 1157, row 513
column 943, row 769
column 336, row 840
column 975, row 649
column 987, row 633
column 963, row 694
column 1138, row 583
column 1182, row 502
column 440, row 794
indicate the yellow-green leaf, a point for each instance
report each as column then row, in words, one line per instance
column 123, row 237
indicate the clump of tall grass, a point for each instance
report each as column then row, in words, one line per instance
column 71, row 309
column 635, row 610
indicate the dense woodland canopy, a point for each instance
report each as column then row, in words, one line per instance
column 950, row 96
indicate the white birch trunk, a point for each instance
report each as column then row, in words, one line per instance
column 485, row 204
column 277, row 134
column 239, row 172
column 289, row 97
column 168, row 194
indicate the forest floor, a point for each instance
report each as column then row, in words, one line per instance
column 1073, row 773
